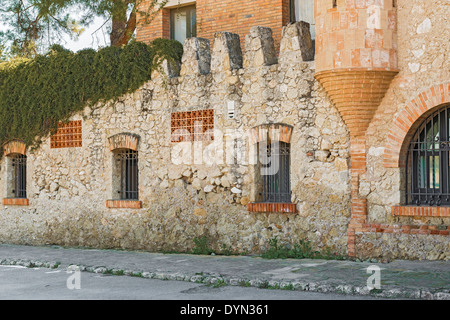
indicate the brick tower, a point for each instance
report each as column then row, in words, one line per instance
column 356, row 60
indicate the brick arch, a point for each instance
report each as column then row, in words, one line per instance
column 275, row 131
column 123, row 141
column 15, row 146
column 405, row 122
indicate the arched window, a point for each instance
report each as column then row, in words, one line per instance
column 16, row 168
column 125, row 167
column 428, row 161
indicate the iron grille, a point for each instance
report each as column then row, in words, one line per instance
column 275, row 173
column 427, row 170
column 19, row 163
column 129, row 174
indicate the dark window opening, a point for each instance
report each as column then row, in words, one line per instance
column 19, row 165
column 334, row 3
column 129, row 174
column 428, row 161
column 303, row 10
column 183, row 23
column 275, row 175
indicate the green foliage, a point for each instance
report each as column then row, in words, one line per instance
column 226, row 250
column 30, row 24
column 201, row 246
column 300, row 250
column 36, row 94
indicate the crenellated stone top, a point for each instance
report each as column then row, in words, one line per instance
column 226, row 53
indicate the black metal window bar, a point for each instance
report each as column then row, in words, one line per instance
column 129, row 174
column 275, row 172
column 428, row 161
column 19, row 164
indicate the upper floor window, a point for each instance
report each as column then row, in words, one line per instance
column 428, row 161
column 183, row 23
column 303, row 10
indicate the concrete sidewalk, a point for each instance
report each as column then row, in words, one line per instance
column 399, row 279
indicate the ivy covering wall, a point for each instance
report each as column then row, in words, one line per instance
column 36, row 94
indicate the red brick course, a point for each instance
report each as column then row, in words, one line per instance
column 15, row 202
column 272, row 207
column 403, row 229
column 130, row 204
column 419, row 211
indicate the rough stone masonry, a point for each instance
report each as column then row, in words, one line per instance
column 195, row 196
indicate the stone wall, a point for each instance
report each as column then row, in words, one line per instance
column 193, row 196
column 68, row 187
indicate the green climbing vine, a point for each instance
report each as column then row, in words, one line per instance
column 36, row 94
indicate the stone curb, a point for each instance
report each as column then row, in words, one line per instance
column 218, row 280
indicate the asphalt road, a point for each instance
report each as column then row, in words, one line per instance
column 21, row 283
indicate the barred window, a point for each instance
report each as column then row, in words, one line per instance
column 18, row 176
column 275, row 176
column 128, row 174
column 428, row 161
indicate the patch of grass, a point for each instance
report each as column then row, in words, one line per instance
column 302, row 249
column 201, row 246
column 290, row 286
column 276, row 286
column 136, row 274
column 219, row 283
column 226, row 251
column 245, row 283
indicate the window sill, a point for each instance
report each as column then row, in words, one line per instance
column 420, row 211
column 130, row 204
column 15, row 202
column 265, row 207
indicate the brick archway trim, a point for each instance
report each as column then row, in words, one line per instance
column 394, row 153
column 123, row 141
column 14, row 146
column 275, row 131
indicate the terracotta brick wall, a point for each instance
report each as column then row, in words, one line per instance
column 235, row 16
column 158, row 28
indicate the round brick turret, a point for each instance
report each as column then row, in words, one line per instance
column 356, row 60
column 356, row 55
